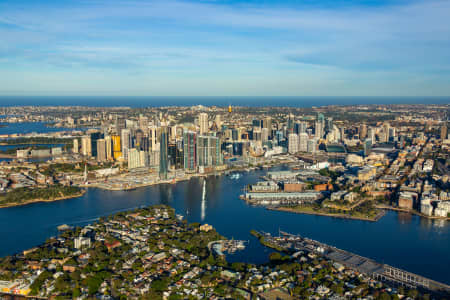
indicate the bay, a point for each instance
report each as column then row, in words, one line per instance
column 406, row 241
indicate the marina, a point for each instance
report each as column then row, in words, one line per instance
column 220, row 247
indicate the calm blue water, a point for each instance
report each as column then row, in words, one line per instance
column 29, row 127
column 410, row 242
column 220, row 101
column 8, row 147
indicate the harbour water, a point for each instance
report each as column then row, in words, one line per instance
column 29, row 127
column 402, row 240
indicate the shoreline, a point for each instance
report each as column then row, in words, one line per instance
column 341, row 216
column 43, row 200
column 104, row 186
column 414, row 212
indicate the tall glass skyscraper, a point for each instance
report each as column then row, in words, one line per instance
column 164, row 161
column 190, row 148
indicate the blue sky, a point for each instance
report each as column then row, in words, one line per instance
column 225, row 48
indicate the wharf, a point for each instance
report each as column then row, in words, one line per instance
column 378, row 271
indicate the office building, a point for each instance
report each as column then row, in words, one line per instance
column 190, row 148
column 362, row 131
column 120, row 125
column 116, row 146
column 219, row 122
column 267, row 123
column 303, row 142
column 101, row 150
column 312, row 145
column 318, row 129
column 76, row 146
column 86, row 146
column 444, row 131
column 293, row 143
column 137, row 158
column 208, row 151
column 164, row 160
column 125, row 139
column 367, row 147
column 143, row 123
column 264, row 135
column 108, row 146
column 203, row 123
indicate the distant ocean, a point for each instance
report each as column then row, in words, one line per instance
column 219, row 101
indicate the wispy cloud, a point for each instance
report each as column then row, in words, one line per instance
column 228, row 43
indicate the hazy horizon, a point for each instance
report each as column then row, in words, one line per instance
column 158, row 101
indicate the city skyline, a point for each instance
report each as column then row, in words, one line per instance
column 217, row 48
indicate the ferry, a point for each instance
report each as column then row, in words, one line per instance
column 235, row 176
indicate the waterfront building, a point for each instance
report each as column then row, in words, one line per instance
column 203, row 123
column 164, row 160
column 407, row 200
column 137, row 159
column 208, row 151
column 190, row 148
column 267, row 198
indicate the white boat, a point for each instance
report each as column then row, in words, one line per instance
column 235, row 176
